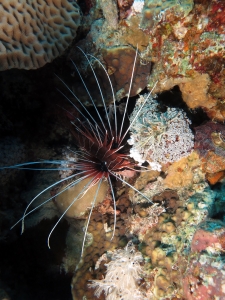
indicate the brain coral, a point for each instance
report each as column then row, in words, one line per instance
column 33, row 33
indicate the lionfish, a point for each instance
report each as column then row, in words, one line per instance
column 101, row 155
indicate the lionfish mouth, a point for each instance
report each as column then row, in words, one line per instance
column 101, row 155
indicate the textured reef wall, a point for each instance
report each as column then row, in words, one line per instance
column 181, row 46
column 183, row 41
column 166, row 248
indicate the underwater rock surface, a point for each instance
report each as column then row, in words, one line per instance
column 179, row 239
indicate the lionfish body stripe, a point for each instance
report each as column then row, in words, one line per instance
column 101, row 154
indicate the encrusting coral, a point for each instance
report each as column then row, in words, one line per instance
column 207, row 259
column 154, row 11
column 209, row 142
column 119, row 61
column 167, row 243
column 110, row 13
column 84, row 201
column 185, row 172
column 119, row 64
column 35, row 32
column 184, row 41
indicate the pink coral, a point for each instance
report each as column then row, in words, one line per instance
column 204, row 279
column 204, row 239
column 210, row 237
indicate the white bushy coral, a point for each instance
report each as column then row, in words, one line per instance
column 122, row 276
column 159, row 137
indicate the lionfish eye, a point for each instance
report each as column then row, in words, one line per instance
column 103, row 166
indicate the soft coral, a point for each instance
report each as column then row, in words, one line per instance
column 122, row 276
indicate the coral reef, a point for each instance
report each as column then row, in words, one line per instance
column 155, row 11
column 209, row 237
column 185, row 172
column 206, row 260
column 158, row 136
column 119, row 64
column 209, row 142
column 119, row 61
column 83, row 198
column 168, row 243
column 100, row 231
column 184, row 41
column 35, row 32
column 137, row 6
column 110, row 13
column 124, row 8
column 205, row 278
column 179, row 232
column 144, row 219
column 122, row 276
column 181, row 47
